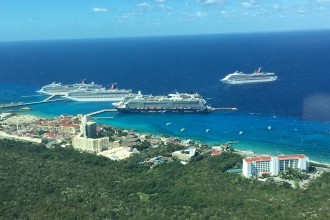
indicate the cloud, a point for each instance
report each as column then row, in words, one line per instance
column 129, row 14
column 210, row 2
column 99, row 9
column 164, row 7
column 197, row 14
column 226, row 13
column 250, row 4
column 200, row 14
column 276, row 6
column 143, row 5
column 160, row 1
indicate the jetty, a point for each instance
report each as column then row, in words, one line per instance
column 102, row 111
column 19, row 104
column 223, row 108
column 103, row 117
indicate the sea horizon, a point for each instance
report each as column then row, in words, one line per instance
column 169, row 36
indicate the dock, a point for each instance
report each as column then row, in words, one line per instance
column 102, row 111
column 48, row 99
column 224, row 108
column 103, row 117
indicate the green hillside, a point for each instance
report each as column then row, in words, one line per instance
column 41, row 183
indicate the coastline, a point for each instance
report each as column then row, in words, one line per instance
column 248, row 150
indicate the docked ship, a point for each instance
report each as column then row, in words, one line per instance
column 243, row 78
column 172, row 103
column 60, row 89
column 99, row 95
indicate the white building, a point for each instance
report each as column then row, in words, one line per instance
column 91, row 145
column 256, row 166
column 185, row 155
column 86, row 141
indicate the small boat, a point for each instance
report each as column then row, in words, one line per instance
column 26, row 108
column 182, row 129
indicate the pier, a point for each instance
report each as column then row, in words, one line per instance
column 102, row 111
column 224, row 108
column 48, row 99
column 103, row 117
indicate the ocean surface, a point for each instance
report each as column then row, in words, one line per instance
column 291, row 115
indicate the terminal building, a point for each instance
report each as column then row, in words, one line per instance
column 256, row 166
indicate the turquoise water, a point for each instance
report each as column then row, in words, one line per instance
column 263, row 134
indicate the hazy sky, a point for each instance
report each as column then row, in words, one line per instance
column 67, row 19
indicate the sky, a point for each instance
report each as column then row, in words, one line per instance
column 79, row 19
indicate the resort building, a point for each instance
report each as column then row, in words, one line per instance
column 185, row 155
column 91, row 129
column 87, row 139
column 256, row 166
column 91, row 145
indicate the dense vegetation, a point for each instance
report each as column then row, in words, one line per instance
column 41, row 183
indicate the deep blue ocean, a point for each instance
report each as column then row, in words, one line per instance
column 296, row 106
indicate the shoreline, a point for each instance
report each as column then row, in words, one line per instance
column 248, row 151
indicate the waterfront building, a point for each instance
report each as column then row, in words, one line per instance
column 256, row 166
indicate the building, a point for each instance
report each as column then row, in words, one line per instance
column 91, row 129
column 118, row 153
column 91, row 145
column 87, row 139
column 256, row 166
column 184, row 155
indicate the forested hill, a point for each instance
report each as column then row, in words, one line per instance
column 41, row 183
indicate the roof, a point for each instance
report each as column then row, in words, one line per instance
column 255, row 159
column 290, row 157
column 216, row 152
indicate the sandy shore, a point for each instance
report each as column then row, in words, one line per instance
column 21, row 119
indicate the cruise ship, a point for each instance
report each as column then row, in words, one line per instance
column 172, row 103
column 99, row 95
column 60, row 89
column 242, row 78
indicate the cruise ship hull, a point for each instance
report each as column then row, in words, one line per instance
column 95, row 99
column 60, row 93
column 249, row 81
column 163, row 111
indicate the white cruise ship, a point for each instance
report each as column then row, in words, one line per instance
column 172, row 103
column 60, row 89
column 99, row 95
column 242, row 78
